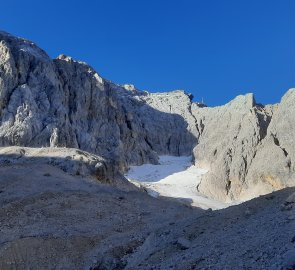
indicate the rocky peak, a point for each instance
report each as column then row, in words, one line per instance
column 65, row 103
column 242, row 102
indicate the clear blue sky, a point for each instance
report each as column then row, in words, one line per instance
column 215, row 49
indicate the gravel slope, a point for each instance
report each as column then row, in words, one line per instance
column 52, row 220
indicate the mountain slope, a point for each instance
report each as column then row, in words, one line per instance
column 65, row 103
column 51, row 219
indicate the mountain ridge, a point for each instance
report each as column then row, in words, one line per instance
column 67, row 135
column 66, row 103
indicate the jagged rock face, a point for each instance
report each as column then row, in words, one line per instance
column 273, row 167
column 247, row 148
column 172, row 103
column 27, row 78
column 229, row 137
column 66, row 103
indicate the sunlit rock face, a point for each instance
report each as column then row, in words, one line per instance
column 230, row 135
column 273, row 166
column 65, row 103
column 246, row 147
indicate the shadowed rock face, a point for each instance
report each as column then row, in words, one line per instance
column 65, row 103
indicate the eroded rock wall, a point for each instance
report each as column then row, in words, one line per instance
column 273, row 167
column 65, row 103
column 229, row 137
column 247, row 147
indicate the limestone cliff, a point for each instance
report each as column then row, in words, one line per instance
column 247, row 147
column 65, row 103
column 229, row 137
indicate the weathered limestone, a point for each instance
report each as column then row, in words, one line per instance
column 247, row 147
column 273, row 166
column 229, row 137
column 65, row 103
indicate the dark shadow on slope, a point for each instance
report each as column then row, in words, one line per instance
column 47, row 216
column 76, row 173
column 73, row 165
column 75, row 162
column 51, row 210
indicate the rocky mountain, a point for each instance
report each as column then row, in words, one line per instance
column 66, row 103
column 247, row 147
column 228, row 142
column 67, row 135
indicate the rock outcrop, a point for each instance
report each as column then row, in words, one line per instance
column 273, row 167
column 173, row 103
column 229, row 137
column 247, row 148
column 70, row 160
column 65, row 103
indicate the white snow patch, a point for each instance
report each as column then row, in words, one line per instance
column 174, row 177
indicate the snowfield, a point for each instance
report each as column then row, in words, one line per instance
column 174, row 177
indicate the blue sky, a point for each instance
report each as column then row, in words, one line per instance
column 215, row 49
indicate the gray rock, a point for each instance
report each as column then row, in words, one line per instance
column 229, row 137
column 247, row 148
column 65, row 103
column 286, row 262
column 72, row 161
column 183, row 243
column 273, row 166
